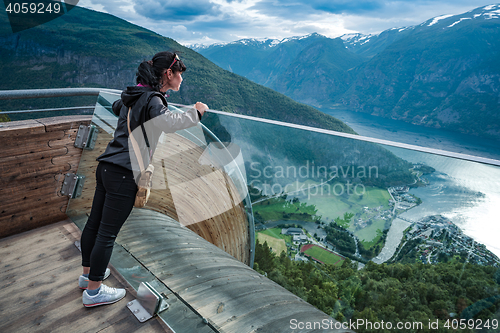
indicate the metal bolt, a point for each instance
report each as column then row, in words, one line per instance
column 130, row 304
column 136, row 311
column 143, row 319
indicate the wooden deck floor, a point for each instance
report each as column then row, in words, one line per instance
column 39, row 291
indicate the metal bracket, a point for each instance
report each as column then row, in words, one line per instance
column 73, row 185
column 86, row 137
column 148, row 304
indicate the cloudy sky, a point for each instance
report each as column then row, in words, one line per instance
column 215, row 21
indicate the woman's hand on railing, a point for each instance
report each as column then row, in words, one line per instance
column 201, row 107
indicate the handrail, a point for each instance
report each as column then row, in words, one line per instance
column 434, row 151
column 89, row 107
column 55, row 92
column 61, row 92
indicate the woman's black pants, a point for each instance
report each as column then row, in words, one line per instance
column 113, row 201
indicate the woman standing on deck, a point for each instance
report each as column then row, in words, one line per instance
column 115, row 183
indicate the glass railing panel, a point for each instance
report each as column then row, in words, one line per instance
column 373, row 203
column 221, row 151
column 322, row 169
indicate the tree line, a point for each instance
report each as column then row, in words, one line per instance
column 389, row 292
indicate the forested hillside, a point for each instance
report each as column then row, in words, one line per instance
column 392, row 293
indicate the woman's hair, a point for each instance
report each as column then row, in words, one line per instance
column 150, row 72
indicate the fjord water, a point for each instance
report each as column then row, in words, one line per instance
column 468, row 193
column 400, row 131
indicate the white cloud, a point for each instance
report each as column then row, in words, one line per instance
column 210, row 21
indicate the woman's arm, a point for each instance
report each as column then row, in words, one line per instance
column 117, row 106
column 170, row 122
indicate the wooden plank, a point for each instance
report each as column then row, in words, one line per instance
column 282, row 324
column 22, row 254
column 177, row 280
column 27, row 183
column 15, row 242
column 17, row 271
column 23, row 221
column 47, row 169
column 230, row 284
column 25, row 144
column 71, row 231
column 21, row 198
column 21, row 188
column 39, row 245
column 67, row 140
column 235, row 294
column 248, row 322
column 37, row 292
column 35, row 206
column 22, row 127
column 221, row 311
column 64, row 122
column 70, row 158
column 34, row 170
column 43, row 207
column 35, row 157
column 29, row 163
column 21, row 139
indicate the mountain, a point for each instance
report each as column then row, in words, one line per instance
column 261, row 61
column 370, row 45
column 443, row 73
column 321, row 71
column 311, row 69
column 85, row 48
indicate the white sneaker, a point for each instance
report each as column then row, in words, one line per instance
column 83, row 281
column 106, row 295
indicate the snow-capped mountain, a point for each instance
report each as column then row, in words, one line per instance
column 443, row 72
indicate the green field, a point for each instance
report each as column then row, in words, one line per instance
column 280, row 209
column 325, row 203
column 324, row 256
column 276, row 233
column 370, row 233
column 276, row 245
column 331, row 206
